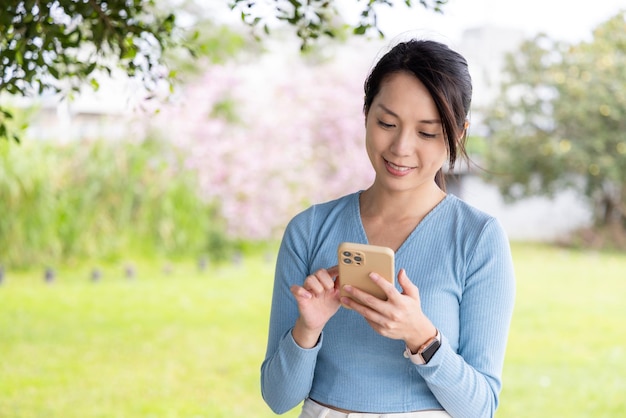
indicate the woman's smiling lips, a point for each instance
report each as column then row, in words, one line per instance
column 397, row 170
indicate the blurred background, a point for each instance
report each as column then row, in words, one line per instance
column 152, row 152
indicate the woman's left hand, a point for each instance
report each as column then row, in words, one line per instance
column 399, row 317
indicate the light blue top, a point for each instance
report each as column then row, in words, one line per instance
column 460, row 260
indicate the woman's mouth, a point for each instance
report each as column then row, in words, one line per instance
column 397, row 170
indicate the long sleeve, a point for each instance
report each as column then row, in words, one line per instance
column 287, row 371
column 468, row 384
column 460, row 260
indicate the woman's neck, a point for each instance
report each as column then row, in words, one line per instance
column 389, row 217
column 398, row 205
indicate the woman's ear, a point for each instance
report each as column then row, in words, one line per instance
column 464, row 131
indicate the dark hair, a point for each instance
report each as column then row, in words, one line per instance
column 445, row 74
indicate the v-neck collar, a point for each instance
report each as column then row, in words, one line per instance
column 432, row 213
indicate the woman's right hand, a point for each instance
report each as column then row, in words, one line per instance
column 318, row 301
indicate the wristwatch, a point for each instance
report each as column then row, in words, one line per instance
column 425, row 352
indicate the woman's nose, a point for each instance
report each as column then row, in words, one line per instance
column 403, row 142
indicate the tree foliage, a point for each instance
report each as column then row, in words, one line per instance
column 58, row 45
column 314, row 19
column 560, row 122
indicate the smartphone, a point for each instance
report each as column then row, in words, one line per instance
column 357, row 261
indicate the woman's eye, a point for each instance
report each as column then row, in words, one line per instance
column 427, row 135
column 385, row 125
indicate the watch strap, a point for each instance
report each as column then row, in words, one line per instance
column 425, row 352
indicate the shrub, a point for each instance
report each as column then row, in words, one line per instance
column 101, row 199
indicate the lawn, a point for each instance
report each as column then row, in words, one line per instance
column 189, row 343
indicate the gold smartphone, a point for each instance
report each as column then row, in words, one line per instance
column 357, row 261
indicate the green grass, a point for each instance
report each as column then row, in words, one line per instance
column 184, row 345
column 189, row 344
column 567, row 348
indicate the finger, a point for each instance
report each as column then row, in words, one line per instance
column 352, row 303
column 300, row 293
column 325, row 279
column 319, row 282
column 333, row 271
column 408, row 287
column 366, row 311
column 384, row 284
column 313, row 285
column 364, row 298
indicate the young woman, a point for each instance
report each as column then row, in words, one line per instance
column 436, row 346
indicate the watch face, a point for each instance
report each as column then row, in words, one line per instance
column 430, row 351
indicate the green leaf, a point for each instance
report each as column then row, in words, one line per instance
column 129, row 53
column 360, row 30
column 90, row 68
column 6, row 114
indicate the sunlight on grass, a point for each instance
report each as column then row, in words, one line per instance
column 567, row 350
column 186, row 345
column 190, row 343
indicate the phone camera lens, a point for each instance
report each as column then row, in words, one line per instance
column 347, row 253
column 347, row 261
column 358, row 258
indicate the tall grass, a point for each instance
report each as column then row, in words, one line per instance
column 100, row 199
column 190, row 344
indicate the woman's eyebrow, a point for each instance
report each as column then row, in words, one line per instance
column 392, row 113
column 387, row 110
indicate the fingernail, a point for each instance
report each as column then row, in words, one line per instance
column 347, row 288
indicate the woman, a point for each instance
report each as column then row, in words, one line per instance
column 436, row 346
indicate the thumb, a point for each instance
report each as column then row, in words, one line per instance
column 408, row 288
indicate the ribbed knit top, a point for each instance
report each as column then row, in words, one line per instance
column 459, row 258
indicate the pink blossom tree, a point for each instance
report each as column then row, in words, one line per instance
column 270, row 138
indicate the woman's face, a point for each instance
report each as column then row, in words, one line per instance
column 404, row 135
